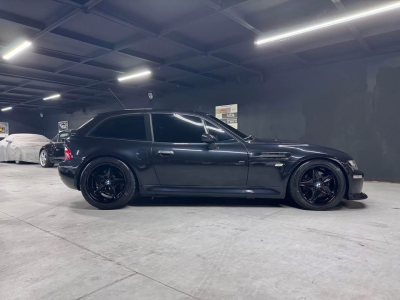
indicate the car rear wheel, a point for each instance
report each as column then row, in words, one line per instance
column 108, row 183
column 317, row 185
column 44, row 159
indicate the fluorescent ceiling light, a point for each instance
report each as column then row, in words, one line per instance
column 52, row 97
column 17, row 49
column 134, row 75
column 7, row 108
column 328, row 24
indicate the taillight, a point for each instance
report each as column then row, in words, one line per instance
column 67, row 153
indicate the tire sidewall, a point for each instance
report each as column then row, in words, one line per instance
column 129, row 192
column 298, row 174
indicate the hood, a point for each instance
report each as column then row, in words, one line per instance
column 303, row 149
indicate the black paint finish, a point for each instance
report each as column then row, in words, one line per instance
column 245, row 167
column 55, row 149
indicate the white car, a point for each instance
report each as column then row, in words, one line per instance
column 22, row 147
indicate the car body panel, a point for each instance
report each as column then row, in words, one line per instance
column 246, row 168
column 190, row 164
column 55, row 149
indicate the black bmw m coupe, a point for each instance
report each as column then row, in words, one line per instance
column 120, row 155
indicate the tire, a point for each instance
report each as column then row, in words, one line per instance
column 101, row 183
column 44, row 159
column 317, row 185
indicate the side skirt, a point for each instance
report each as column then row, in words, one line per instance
column 195, row 191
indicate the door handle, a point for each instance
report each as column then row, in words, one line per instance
column 165, row 153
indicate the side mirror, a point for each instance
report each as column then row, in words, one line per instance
column 208, row 138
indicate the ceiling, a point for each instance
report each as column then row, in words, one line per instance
column 81, row 47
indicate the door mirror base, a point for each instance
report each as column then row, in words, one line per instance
column 210, row 140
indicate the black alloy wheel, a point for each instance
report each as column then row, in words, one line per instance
column 317, row 185
column 108, row 183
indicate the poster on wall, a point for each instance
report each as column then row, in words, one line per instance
column 62, row 125
column 3, row 129
column 228, row 114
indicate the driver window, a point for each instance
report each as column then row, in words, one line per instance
column 55, row 139
column 176, row 128
column 221, row 135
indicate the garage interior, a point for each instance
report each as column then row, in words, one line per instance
column 335, row 86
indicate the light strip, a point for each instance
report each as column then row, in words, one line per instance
column 52, row 97
column 16, row 50
column 189, row 121
column 328, row 24
column 7, row 108
column 134, row 75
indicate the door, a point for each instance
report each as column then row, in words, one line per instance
column 180, row 157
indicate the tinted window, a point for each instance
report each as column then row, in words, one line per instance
column 219, row 133
column 125, row 127
column 63, row 136
column 237, row 132
column 173, row 128
column 55, row 139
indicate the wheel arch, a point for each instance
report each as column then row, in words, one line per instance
column 78, row 178
column 41, row 149
column 330, row 159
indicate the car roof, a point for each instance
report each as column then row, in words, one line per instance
column 148, row 110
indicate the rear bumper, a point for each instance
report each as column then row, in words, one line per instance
column 68, row 171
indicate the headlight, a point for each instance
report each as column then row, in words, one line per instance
column 353, row 164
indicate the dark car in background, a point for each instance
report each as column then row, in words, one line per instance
column 53, row 152
column 123, row 154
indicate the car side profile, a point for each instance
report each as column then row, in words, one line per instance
column 22, row 147
column 120, row 155
column 53, row 152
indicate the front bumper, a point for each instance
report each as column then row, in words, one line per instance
column 356, row 181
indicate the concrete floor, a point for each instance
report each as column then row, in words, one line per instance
column 56, row 246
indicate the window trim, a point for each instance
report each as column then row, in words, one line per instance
column 89, row 134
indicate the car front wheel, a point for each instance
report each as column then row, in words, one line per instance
column 108, row 183
column 317, row 185
column 44, row 159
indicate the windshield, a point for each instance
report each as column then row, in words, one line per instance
column 235, row 131
column 64, row 136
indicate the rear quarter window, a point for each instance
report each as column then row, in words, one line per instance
column 128, row 127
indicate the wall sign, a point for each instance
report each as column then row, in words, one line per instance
column 62, row 125
column 4, row 129
column 228, row 114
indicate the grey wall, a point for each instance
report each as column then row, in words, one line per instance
column 22, row 121
column 352, row 106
